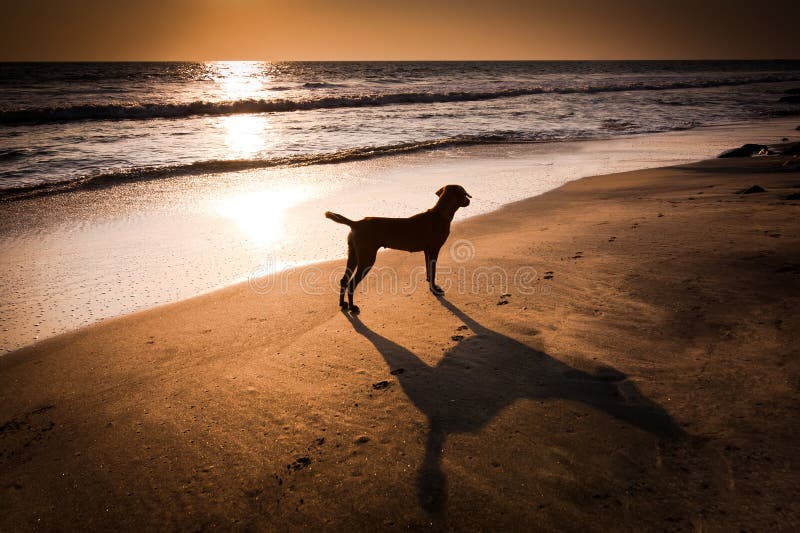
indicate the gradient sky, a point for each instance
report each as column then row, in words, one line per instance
column 397, row 30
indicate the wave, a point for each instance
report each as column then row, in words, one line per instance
column 319, row 85
column 202, row 108
column 108, row 179
column 13, row 154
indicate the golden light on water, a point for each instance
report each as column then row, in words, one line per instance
column 239, row 79
column 245, row 135
column 259, row 215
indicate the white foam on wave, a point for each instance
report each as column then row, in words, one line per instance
column 145, row 111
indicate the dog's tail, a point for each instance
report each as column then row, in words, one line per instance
column 336, row 217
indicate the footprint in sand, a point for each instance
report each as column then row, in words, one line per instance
column 299, row 464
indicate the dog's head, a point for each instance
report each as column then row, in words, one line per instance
column 458, row 194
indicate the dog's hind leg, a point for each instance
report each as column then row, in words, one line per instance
column 348, row 273
column 365, row 262
column 431, row 256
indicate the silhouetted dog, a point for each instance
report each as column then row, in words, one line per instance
column 425, row 232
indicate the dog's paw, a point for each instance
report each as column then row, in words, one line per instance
column 354, row 309
column 437, row 290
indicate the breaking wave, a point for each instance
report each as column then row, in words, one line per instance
column 116, row 177
column 146, row 111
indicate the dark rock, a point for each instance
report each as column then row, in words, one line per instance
column 793, row 149
column 746, row 150
column 785, row 139
column 793, row 196
column 752, row 190
column 502, row 302
column 793, row 99
column 457, row 337
column 363, row 439
column 398, row 371
column 380, row 385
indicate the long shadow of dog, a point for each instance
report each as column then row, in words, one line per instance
column 487, row 371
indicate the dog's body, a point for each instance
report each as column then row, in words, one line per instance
column 424, row 232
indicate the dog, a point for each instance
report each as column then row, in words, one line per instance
column 424, row 232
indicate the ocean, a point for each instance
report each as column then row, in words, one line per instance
column 69, row 124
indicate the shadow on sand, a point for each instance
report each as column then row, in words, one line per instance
column 487, row 371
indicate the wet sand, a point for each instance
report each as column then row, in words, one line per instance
column 635, row 369
column 70, row 260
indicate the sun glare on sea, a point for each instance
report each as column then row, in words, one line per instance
column 246, row 134
column 259, row 215
column 238, row 80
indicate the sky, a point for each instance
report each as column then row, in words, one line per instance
column 118, row 30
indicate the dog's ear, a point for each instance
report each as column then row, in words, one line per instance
column 440, row 192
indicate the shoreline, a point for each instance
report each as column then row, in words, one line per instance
column 187, row 214
column 224, row 166
column 661, row 355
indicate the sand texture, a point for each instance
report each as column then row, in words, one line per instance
column 637, row 370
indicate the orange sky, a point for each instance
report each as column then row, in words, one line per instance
column 383, row 30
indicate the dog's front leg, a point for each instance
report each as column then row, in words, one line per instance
column 432, row 256
column 427, row 266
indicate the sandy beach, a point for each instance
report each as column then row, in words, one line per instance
column 618, row 353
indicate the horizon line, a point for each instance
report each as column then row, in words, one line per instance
column 387, row 60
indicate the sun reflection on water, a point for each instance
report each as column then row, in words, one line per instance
column 260, row 215
column 239, row 79
column 246, row 134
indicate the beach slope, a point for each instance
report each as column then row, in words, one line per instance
column 620, row 353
